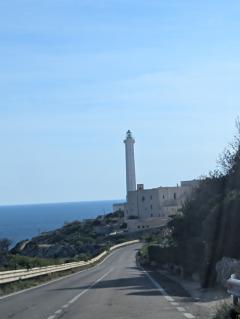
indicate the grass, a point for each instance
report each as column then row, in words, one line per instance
column 19, row 262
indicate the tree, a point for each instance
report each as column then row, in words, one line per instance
column 4, row 250
column 208, row 227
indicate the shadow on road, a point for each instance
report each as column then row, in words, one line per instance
column 137, row 284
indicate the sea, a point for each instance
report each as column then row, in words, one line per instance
column 20, row 222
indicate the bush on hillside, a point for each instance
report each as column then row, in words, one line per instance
column 208, row 227
column 223, row 311
column 4, row 250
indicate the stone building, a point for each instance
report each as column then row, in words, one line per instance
column 149, row 208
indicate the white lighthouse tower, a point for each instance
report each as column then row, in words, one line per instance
column 130, row 163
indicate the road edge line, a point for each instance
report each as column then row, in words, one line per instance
column 163, row 292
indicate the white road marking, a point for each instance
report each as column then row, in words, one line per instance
column 156, row 284
column 58, row 279
column 175, row 303
column 80, row 294
column 189, row 315
column 58, row 311
column 65, row 306
column 170, row 299
column 181, row 309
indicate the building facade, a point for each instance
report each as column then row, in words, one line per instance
column 149, row 208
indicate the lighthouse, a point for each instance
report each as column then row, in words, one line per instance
column 130, row 163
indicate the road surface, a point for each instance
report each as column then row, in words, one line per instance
column 115, row 289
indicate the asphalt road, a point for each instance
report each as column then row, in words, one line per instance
column 116, row 288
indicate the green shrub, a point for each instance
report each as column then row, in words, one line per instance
column 18, row 262
column 162, row 255
column 222, row 311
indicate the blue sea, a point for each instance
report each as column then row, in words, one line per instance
column 21, row 222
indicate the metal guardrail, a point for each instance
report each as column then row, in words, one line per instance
column 21, row 274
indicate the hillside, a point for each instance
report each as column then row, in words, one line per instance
column 76, row 240
column 208, row 227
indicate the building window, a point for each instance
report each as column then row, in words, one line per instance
column 142, row 226
column 143, row 198
column 151, row 215
column 151, row 206
column 159, row 215
column 163, row 196
column 151, row 197
column 138, row 226
column 175, row 196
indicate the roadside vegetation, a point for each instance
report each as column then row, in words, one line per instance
column 78, row 240
column 4, row 252
column 9, row 261
column 32, row 282
column 207, row 227
column 73, row 242
column 222, row 311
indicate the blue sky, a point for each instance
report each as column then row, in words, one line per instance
column 75, row 75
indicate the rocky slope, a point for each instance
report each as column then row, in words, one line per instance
column 78, row 239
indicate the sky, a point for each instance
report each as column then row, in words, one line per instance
column 76, row 75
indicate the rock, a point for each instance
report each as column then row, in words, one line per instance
column 19, row 246
column 225, row 268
